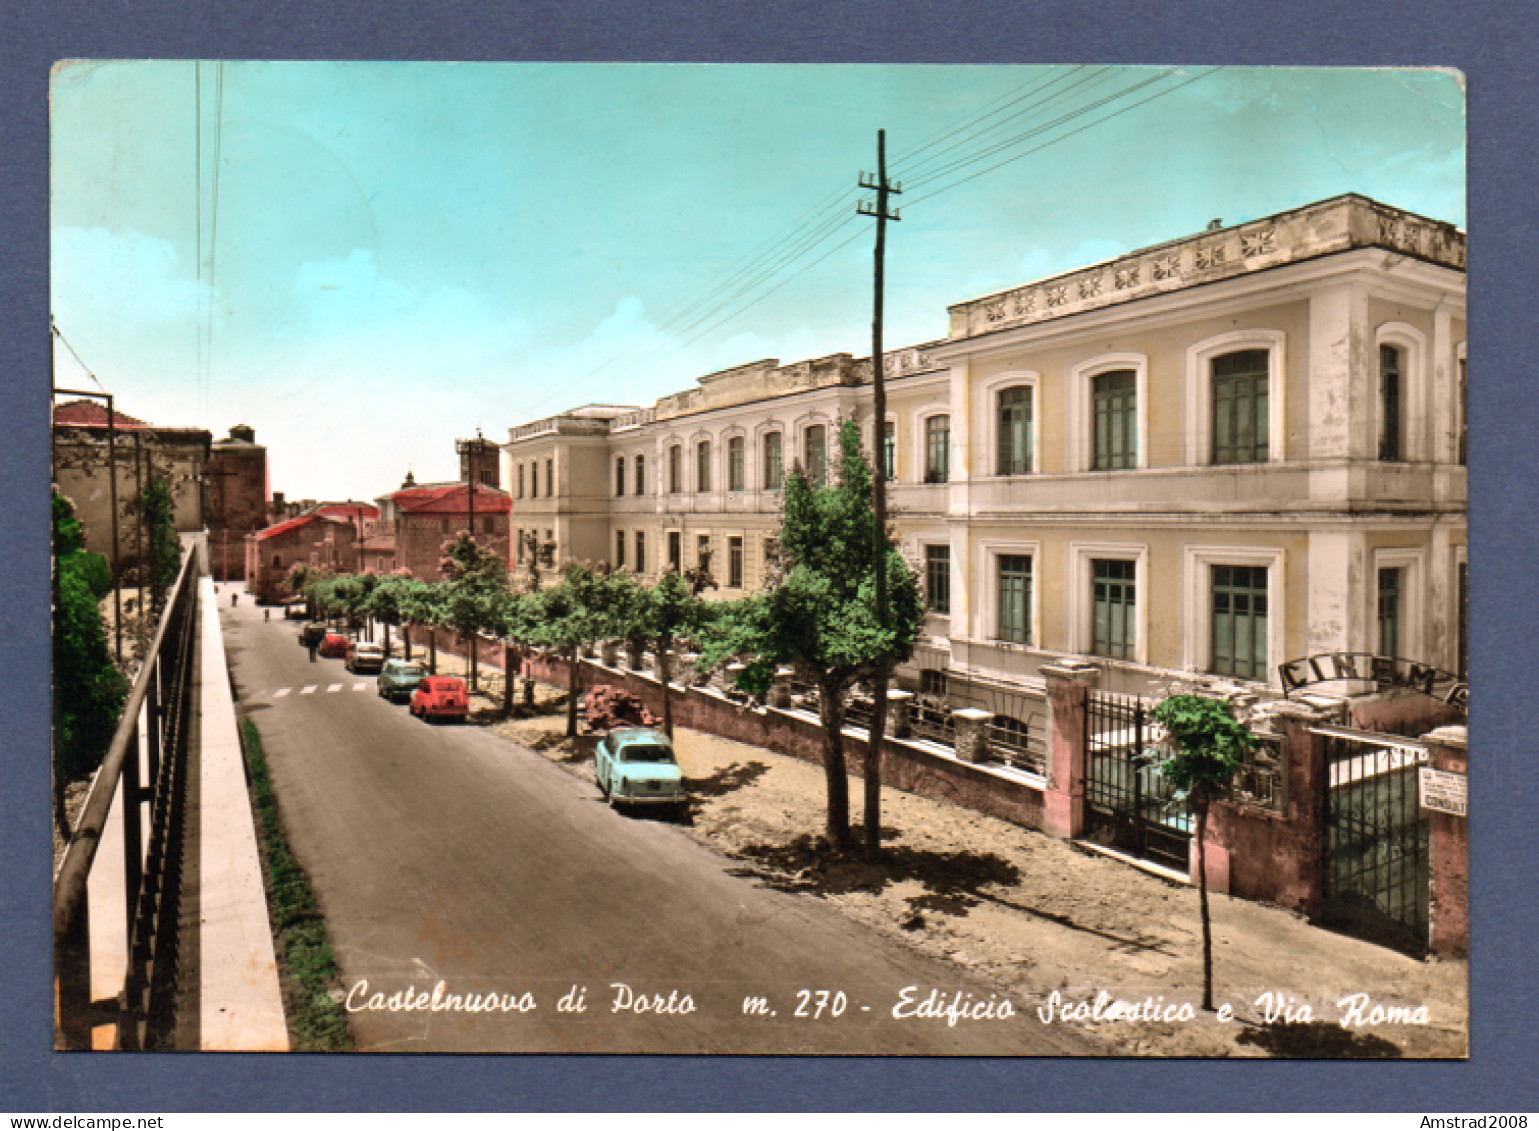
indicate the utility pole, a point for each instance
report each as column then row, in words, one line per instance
column 873, row 761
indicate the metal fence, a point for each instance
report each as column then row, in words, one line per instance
column 149, row 887
column 1018, row 742
column 1130, row 804
column 932, row 720
column 1378, row 839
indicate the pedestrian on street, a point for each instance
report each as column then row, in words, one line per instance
column 314, row 644
column 234, row 599
column 267, row 614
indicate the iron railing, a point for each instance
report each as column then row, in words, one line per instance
column 1129, row 802
column 150, row 885
column 1018, row 743
column 1377, row 839
column 933, row 721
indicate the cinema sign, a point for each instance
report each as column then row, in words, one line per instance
column 1384, row 672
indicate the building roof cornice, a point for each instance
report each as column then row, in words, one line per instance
column 1329, row 227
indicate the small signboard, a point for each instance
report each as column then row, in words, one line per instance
column 1443, row 792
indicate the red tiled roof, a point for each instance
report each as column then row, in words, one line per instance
column 452, row 498
column 348, row 510
column 296, row 523
column 90, row 414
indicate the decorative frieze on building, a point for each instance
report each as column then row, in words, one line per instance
column 1342, row 224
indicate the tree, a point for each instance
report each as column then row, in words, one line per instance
column 562, row 618
column 419, row 603
column 386, row 602
column 154, row 503
column 1207, row 745
column 656, row 616
column 88, row 691
column 475, row 590
column 821, row 615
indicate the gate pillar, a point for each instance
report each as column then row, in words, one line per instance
column 1294, row 875
column 1068, row 694
column 1450, row 929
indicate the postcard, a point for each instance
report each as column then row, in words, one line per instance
column 760, row 559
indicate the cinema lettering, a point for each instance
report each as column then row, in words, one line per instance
column 1384, row 672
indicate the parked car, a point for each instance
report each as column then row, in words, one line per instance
column 440, row 697
column 364, row 657
column 312, row 633
column 399, row 678
column 636, row 766
column 334, row 646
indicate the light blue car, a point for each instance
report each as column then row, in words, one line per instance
column 636, row 766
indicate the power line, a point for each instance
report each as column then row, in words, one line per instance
column 58, row 333
column 1000, row 146
column 1066, row 136
column 213, row 238
column 809, row 246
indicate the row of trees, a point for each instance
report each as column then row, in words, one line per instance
column 817, row 614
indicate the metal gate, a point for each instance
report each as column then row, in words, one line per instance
column 1130, row 804
column 1377, row 840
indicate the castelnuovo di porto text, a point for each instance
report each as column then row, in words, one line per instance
column 921, row 1004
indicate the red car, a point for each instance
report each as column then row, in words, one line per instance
column 334, row 646
column 440, row 697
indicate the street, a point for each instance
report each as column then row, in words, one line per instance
column 479, row 898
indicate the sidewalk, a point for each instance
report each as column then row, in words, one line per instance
column 240, row 1005
column 1037, row 914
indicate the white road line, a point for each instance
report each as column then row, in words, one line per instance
column 307, row 690
column 281, row 692
column 359, row 686
column 333, row 689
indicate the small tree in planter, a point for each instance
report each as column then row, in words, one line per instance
column 1207, row 746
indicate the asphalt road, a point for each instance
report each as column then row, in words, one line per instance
column 448, row 855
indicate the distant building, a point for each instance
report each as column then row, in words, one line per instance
column 416, row 521
column 320, row 541
column 480, row 461
column 239, row 504
column 83, row 452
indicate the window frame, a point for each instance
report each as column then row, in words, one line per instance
column 737, row 467
column 1080, row 605
column 923, row 444
column 735, row 562
column 703, row 458
column 1082, row 417
column 929, row 579
column 619, row 550
column 676, row 469
column 1391, row 416
column 1197, row 616
column 1414, row 385
column 886, row 446
column 1410, row 561
column 619, row 477
column 987, row 409
column 818, row 476
column 986, row 622
column 1199, row 392
column 639, row 472
column 775, row 482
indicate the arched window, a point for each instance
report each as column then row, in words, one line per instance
column 1015, row 415
column 816, row 444
column 1241, row 408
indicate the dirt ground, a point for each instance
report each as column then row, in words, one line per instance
column 1036, row 914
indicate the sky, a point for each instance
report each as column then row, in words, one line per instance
column 367, row 261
